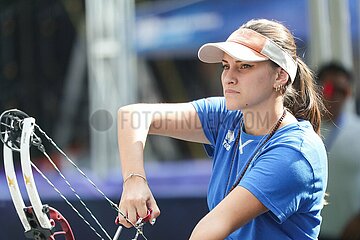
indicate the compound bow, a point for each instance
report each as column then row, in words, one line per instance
column 42, row 221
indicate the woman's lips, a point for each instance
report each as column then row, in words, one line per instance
column 231, row 91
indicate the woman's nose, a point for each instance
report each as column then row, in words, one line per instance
column 229, row 79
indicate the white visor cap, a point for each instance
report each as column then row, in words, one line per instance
column 248, row 45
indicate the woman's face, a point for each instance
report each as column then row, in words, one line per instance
column 247, row 84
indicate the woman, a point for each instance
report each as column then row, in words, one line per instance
column 269, row 164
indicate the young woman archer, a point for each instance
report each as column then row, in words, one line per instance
column 267, row 179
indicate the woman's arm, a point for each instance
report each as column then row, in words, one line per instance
column 135, row 122
column 234, row 211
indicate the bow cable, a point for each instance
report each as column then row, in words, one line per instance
column 112, row 204
column 68, row 202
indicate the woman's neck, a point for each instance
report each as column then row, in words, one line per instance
column 261, row 120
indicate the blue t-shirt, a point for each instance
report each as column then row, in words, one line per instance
column 288, row 176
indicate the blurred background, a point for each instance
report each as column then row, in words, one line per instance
column 71, row 64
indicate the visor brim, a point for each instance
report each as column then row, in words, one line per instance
column 214, row 52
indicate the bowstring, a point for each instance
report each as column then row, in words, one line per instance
column 66, row 200
column 76, row 194
column 112, row 204
column 6, row 125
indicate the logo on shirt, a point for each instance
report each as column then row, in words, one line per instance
column 229, row 138
column 241, row 145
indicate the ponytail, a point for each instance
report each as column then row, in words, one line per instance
column 303, row 99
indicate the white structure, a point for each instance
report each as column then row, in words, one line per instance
column 112, row 80
column 330, row 37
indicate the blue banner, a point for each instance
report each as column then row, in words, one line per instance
column 182, row 29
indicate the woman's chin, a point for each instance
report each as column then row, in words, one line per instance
column 232, row 106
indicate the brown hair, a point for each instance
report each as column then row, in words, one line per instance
column 302, row 98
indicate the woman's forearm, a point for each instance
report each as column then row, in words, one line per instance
column 133, row 126
column 136, row 199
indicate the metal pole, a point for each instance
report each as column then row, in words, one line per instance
column 341, row 32
column 320, row 40
column 112, row 75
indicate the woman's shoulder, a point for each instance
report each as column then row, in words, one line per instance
column 298, row 133
column 302, row 138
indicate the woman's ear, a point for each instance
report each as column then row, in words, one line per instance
column 282, row 77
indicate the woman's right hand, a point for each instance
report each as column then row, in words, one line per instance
column 158, row 119
column 136, row 200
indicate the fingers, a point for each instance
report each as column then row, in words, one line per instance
column 155, row 211
column 133, row 210
column 142, row 210
column 122, row 218
column 135, row 202
column 132, row 215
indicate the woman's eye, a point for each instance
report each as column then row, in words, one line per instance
column 244, row 66
column 225, row 67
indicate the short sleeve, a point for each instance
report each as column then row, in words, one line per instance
column 281, row 179
column 211, row 112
